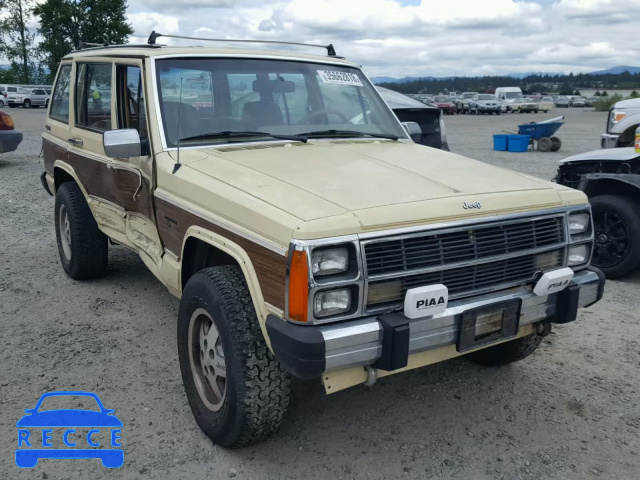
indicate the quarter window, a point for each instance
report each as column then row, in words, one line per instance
column 131, row 105
column 93, row 95
column 60, row 101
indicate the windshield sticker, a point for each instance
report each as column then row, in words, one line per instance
column 340, row 78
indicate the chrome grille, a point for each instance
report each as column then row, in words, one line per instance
column 466, row 260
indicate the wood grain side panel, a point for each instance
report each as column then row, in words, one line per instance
column 52, row 152
column 270, row 267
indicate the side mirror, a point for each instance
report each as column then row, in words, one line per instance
column 122, row 143
column 413, row 130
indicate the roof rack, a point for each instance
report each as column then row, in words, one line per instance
column 154, row 36
column 98, row 46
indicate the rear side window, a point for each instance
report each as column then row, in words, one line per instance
column 93, row 95
column 60, row 101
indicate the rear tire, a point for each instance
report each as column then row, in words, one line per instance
column 508, row 352
column 556, row 144
column 83, row 248
column 616, row 222
column 248, row 402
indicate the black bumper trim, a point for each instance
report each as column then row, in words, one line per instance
column 395, row 342
column 601, row 283
column 299, row 348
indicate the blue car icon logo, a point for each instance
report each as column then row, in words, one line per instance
column 84, row 433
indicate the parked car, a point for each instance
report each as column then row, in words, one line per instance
column 10, row 138
column 622, row 122
column 29, row 97
column 463, row 101
column 526, row 105
column 302, row 229
column 485, row 103
column 546, row 104
column 446, row 104
column 429, row 118
column 5, row 91
column 578, row 102
column 611, row 179
column 589, row 102
column 562, row 102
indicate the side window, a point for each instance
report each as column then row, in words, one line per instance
column 93, row 95
column 131, row 106
column 60, row 100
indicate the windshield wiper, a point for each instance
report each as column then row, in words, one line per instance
column 350, row 133
column 230, row 134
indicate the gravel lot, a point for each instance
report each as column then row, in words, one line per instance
column 570, row 411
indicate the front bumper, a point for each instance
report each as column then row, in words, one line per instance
column 609, row 140
column 9, row 140
column 309, row 351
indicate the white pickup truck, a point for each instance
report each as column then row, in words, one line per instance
column 624, row 118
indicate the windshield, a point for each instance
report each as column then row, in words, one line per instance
column 24, row 90
column 443, row 99
column 469, row 95
column 512, row 94
column 487, row 97
column 209, row 96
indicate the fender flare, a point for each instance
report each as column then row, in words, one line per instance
column 590, row 181
column 240, row 256
column 62, row 165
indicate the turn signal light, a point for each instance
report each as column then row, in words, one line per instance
column 298, row 287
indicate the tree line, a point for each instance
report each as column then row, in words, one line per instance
column 563, row 84
column 64, row 25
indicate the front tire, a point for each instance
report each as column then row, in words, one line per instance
column 237, row 390
column 82, row 246
column 27, row 103
column 508, row 352
column 616, row 222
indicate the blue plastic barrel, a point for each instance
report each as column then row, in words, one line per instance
column 500, row 142
column 518, row 143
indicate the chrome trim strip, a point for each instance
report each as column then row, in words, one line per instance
column 359, row 342
column 469, row 221
column 252, row 238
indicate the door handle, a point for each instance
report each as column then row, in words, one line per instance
column 75, row 141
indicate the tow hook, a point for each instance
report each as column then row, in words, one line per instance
column 543, row 328
column 372, row 376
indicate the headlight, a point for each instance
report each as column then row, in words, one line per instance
column 616, row 117
column 578, row 223
column 329, row 261
column 330, row 303
column 578, row 255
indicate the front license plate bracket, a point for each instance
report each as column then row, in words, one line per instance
column 488, row 324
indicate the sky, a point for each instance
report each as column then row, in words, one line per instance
column 400, row 38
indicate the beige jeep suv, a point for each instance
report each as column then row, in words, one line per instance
column 305, row 233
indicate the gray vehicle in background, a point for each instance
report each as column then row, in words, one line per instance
column 430, row 118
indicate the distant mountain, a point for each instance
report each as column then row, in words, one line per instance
column 379, row 80
column 617, row 70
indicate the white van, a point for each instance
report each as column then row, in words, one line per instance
column 507, row 95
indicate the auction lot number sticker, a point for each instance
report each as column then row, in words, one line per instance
column 340, row 78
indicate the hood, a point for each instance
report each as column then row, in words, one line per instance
column 631, row 103
column 444, row 104
column 487, row 102
column 604, row 154
column 376, row 183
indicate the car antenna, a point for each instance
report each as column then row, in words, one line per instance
column 178, row 165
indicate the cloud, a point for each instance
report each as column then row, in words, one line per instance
column 420, row 38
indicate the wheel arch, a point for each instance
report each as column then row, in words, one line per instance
column 203, row 248
column 63, row 172
column 612, row 186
